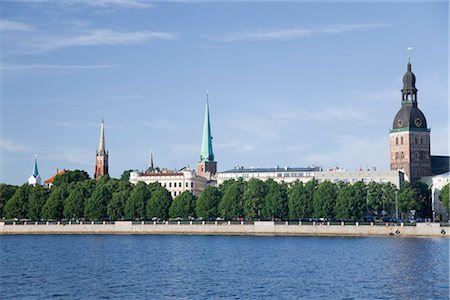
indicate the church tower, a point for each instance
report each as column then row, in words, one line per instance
column 35, row 179
column 410, row 137
column 101, row 162
column 207, row 167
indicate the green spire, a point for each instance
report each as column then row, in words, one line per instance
column 206, row 153
column 35, row 168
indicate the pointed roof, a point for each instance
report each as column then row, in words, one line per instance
column 101, row 144
column 151, row 161
column 206, row 153
column 35, row 169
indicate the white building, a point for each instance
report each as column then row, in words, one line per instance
column 289, row 175
column 175, row 182
column 436, row 184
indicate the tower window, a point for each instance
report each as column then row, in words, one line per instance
column 396, row 140
column 396, row 155
column 415, row 140
column 401, row 140
column 402, row 155
column 416, row 155
column 421, row 140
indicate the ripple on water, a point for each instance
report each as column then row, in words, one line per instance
column 200, row 267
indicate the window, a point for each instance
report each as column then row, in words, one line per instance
column 396, row 155
column 415, row 140
column 402, row 155
column 179, row 184
column 421, row 140
column 187, row 184
column 170, row 184
column 192, row 185
column 396, row 140
column 401, row 140
column 416, row 154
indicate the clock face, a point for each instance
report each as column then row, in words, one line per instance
column 399, row 123
column 418, row 122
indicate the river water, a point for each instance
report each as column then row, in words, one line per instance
column 231, row 267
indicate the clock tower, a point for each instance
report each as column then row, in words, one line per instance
column 410, row 137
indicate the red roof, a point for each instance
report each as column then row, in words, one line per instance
column 50, row 180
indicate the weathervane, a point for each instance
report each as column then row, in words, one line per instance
column 409, row 49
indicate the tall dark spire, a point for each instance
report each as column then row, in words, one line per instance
column 409, row 91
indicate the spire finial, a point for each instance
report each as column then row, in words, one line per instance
column 409, row 49
column 206, row 153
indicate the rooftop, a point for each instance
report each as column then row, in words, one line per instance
column 277, row 169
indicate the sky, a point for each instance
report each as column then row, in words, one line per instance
column 290, row 84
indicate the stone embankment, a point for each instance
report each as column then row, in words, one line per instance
column 229, row 228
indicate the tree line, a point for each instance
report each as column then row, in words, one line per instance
column 75, row 196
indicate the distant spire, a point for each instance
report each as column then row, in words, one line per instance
column 35, row 168
column 206, row 153
column 101, row 145
column 152, row 167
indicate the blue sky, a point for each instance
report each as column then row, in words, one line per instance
column 290, row 84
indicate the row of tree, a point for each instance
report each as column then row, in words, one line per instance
column 76, row 196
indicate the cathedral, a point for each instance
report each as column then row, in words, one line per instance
column 410, row 136
column 101, row 158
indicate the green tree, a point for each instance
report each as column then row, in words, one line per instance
column 74, row 204
column 36, row 200
column 424, row 196
column 444, row 196
column 299, row 201
column 183, row 206
column 208, row 203
column 276, row 201
column 230, row 206
column 253, row 199
column 135, row 205
column 324, row 200
column 115, row 208
column 407, row 200
column 17, row 205
column 125, row 175
column 159, row 204
column 95, row 206
column 360, row 204
column 53, row 208
column 375, row 198
column 346, row 197
column 69, row 177
column 6, row 192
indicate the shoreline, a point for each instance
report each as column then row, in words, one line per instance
column 259, row 228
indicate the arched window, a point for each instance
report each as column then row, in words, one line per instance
column 396, row 155
column 415, row 140
column 396, row 140
column 402, row 155
column 421, row 140
column 401, row 140
column 416, row 154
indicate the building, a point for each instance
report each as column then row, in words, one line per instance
column 35, row 178
column 436, row 184
column 304, row 175
column 49, row 182
column 439, row 164
column 175, row 182
column 207, row 167
column 410, row 136
column 101, row 157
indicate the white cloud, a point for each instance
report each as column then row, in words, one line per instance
column 27, row 67
column 10, row 146
column 135, row 4
column 6, row 25
column 295, row 33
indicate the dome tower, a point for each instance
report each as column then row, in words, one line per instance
column 410, row 137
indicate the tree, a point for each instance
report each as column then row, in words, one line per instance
column 6, row 192
column 69, row 177
column 115, row 208
column 324, row 200
column 445, row 197
column 407, row 199
column 276, row 201
column 208, row 203
column 183, row 206
column 159, row 204
column 375, row 198
column 253, row 199
column 299, row 204
column 135, row 205
column 95, row 206
column 36, row 200
column 53, row 208
column 17, row 205
column 424, row 196
column 125, row 175
column 344, row 202
column 360, row 205
column 74, row 204
column 230, row 206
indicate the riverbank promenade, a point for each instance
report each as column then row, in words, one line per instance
column 230, row 228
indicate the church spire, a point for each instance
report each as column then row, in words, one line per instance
column 35, row 168
column 101, row 161
column 206, row 153
column 35, row 179
column 101, row 144
column 409, row 91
